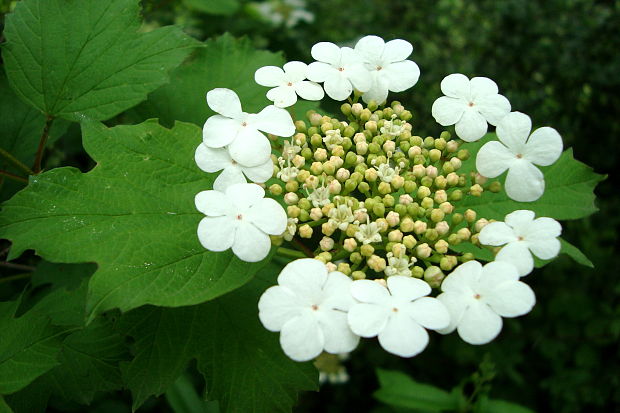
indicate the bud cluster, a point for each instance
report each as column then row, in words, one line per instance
column 374, row 199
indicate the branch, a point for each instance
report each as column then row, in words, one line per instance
column 6, row 155
column 46, row 132
column 13, row 176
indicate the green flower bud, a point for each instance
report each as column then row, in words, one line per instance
column 417, row 271
column 306, row 153
column 370, row 175
column 367, row 250
column 405, row 115
column 374, row 148
column 426, row 181
column 300, row 126
column 448, row 262
column 346, row 143
column 405, row 146
column 463, row 155
column 304, row 203
column 454, row 239
column 304, row 215
column 470, row 215
column 441, row 182
column 441, row 246
column 429, row 142
column 457, row 219
column 371, row 126
column 423, row 192
column 351, row 230
column 358, row 275
column 409, row 241
column 384, row 188
column 275, row 189
column 434, row 155
column 437, row 215
column 433, row 276
column 468, row 256
column 495, row 186
column 416, row 141
column 401, row 209
column 345, row 108
column 410, row 186
column 431, row 234
column 344, row 268
column 388, row 200
column 316, row 168
column 423, row 251
column 447, row 168
column 440, row 143
column 316, row 140
column 365, row 115
column 456, row 195
column 419, row 159
column 293, row 211
column 406, row 224
column 349, row 185
column 350, row 159
column 324, row 256
column 464, row 234
column 476, row 190
column 378, row 209
column 363, row 187
column 413, row 209
column 427, row 203
column 329, row 168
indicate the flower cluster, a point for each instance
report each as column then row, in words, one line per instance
column 378, row 209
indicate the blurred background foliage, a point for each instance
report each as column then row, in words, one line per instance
column 556, row 60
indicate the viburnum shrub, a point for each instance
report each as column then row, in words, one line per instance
column 283, row 221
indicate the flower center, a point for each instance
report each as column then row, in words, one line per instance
column 244, row 124
column 341, row 69
column 379, row 67
column 314, row 307
column 477, row 296
column 232, row 161
column 520, row 238
column 519, row 155
column 289, row 84
column 239, row 217
column 395, row 309
column 471, row 104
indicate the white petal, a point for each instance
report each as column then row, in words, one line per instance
column 481, row 86
column 472, row 126
column 250, row 148
column 407, row 288
column 493, row 159
column 213, row 203
column 447, row 110
column 301, row 337
column 337, row 292
column 544, row 146
column 402, row 75
column 403, row 336
column 276, row 306
column 306, row 278
column 211, row 160
column 517, row 254
column 282, row 96
column 367, row 291
column 326, row 52
column 544, row 227
column 371, row 47
column 493, row 107
column 260, row 173
column 309, row 90
column 497, row 233
column 496, row 273
column 456, row 304
column 513, row 131
column 276, row 121
column 231, row 175
column 456, row 85
column 511, row 299
column 245, row 195
column 367, row 320
column 251, row 244
column 479, row 324
column 524, row 182
column 338, row 336
column 520, row 220
column 295, row 71
column 429, row 313
column 397, row 50
column 268, row 216
column 225, row 102
column 338, row 87
column 319, row 72
column 350, row 57
column 462, row 278
column 216, row 233
column 219, row 131
column 270, row 76
column 359, row 76
column 378, row 91
column 545, row 249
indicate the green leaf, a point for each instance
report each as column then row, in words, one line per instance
column 244, row 367
column 4, row 408
column 29, row 347
column 500, row 406
column 399, row 390
column 575, row 253
column 183, row 398
column 568, row 193
column 222, row 7
column 133, row 215
column 224, row 62
column 85, row 59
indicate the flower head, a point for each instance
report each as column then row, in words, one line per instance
column 308, row 307
column 341, row 70
column 214, row 160
column 519, row 153
column 388, row 67
column 240, row 218
column 522, row 236
column 469, row 104
column 240, row 131
column 397, row 314
column 368, row 233
column 478, row 297
column 288, row 83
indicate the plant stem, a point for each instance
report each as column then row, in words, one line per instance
column 287, row 252
column 13, row 176
column 6, row 155
column 302, row 247
column 16, row 266
column 15, row 277
column 46, row 132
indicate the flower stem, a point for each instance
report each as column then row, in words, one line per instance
column 302, row 247
column 15, row 277
column 46, row 132
column 13, row 176
column 6, row 155
column 287, row 252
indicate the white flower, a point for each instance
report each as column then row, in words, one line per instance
column 319, row 197
column 213, row 160
column 519, row 154
column 386, row 62
column 341, row 70
column 368, row 233
column 333, row 138
column 478, row 297
column 397, row 314
column 341, row 216
column 309, row 308
column 289, row 150
column 385, row 173
column 522, row 233
column 240, row 130
column 398, row 265
column 287, row 173
column 240, row 218
column 469, row 104
column 391, row 129
column 288, row 83
column 291, row 228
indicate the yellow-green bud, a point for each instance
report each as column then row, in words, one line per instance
column 304, row 215
column 305, row 204
column 316, row 168
column 299, row 161
column 363, row 187
column 355, row 258
column 448, row 262
column 327, row 126
column 397, row 182
column 349, row 244
column 345, row 108
column 276, row 240
column 365, row 115
column 468, row 256
column 393, row 218
column 463, row 155
column 423, row 192
column 275, row 189
column 344, row 268
column 316, row 140
column 371, row 126
column 349, row 131
column 456, row 195
column 440, row 143
column 475, row 239
column 306, row 153
column 470, row 215
column 419, row 227
column 370, row 175
column 409, row 241
column 441, row 182
column 447, row 168
column 367, row 250
column 464, row 234
column 423, row 251
column 316, row 214
column 327, row 208
column 351, row 230
column 378, row 209
column 495, row 187
column 426, row 181
column 376, row 263
column 293, row 211
column 441, row 196
column 305, row 231
column 384, row 188
column 433, row 276
column 399, row 250
column 325, row 256
column 382, row 224
column 395, row 236
column 429, row 142
column 410, row 186
column 328, row 228
column 454, row 239
column 437, row 215
column 427, row 203
column 476, row 190
column 434, row 155
column 452, row 178
column 303, row 175
column 349, row 185
column 329, row 168
column 441, row 246
column 457, row 219
column 446, row 207
column 358, row 275
column 431, row 234
column 406, row 224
